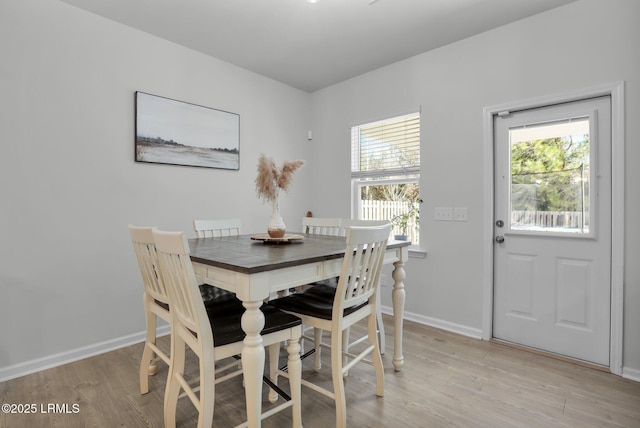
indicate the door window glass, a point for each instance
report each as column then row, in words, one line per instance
column 550, row 177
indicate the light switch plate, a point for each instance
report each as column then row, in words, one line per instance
column 443, row 213
column 460, row 214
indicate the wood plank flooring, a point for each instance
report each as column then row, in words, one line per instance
column 448, row 380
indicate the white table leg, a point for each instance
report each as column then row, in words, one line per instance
column 382, row 341
column 398, row 298
column 295, row 378
column 253, row 358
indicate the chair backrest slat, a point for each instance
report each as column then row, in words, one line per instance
column 145, row 250
column 335, row 226
column 346, row 223
column 179, row 278
column 322, row 226
column 217, row 228
column 361, row 266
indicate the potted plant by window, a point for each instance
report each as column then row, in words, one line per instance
column 409, row 218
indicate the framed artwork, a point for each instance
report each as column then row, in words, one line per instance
column 179, row 133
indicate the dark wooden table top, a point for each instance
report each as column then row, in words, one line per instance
column 242, row 254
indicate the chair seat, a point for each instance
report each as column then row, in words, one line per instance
column 210, row 296
column 225, row 313
column 225, row 320
column 214, row 295
column 318, row 304
column 321, row 290
column 331, row 282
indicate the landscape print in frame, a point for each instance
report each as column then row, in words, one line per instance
column 180, row 133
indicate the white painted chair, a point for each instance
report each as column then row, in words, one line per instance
column 338, row 227
column 355, row 299
column 322, row 226
column 155, row 299
column 214, row 334
column 346, row 223
column 329, row 227
column 217, row 228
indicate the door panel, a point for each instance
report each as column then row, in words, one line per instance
column 574, row 293
column 520, row 282
column 553, row 229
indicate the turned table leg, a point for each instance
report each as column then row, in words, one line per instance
column 398, row 298
column 253, row 358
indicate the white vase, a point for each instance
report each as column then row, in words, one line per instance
column 276, row 227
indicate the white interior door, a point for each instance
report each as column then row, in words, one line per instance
column 552, row 250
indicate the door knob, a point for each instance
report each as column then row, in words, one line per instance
column 499, row 239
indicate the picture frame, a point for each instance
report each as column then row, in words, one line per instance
column 174, row 132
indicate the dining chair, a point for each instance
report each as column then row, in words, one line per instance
column 214, row 334
column 156, row 301
column 216, row 228
column 345, row 223
column 337, row 227
column 354, row 299
column 328, row 226
column 322, row 226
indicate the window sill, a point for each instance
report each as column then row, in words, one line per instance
column 417, row 253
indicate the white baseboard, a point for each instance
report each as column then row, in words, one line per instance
column 632, row 374
column 39, row 364
column 438, row 323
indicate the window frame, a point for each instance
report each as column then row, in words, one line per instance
column 382, row 177
column 357, row 184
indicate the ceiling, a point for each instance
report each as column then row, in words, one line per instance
column 312, row 46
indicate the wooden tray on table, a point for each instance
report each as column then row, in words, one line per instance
column 286, row 239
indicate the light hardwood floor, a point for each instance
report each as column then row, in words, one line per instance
column 448, row 380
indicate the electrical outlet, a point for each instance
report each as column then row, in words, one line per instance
column 443, row 213
column 460, row 214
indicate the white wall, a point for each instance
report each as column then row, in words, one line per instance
column 69, row 186
column 583, row 44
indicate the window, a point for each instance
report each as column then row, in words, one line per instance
column 385, row 173
column 550, row 177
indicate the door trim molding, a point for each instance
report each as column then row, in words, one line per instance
column 616, row 91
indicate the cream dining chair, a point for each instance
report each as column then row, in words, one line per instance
column 346, row 223
column 335, row 226
column 156, row 301
column 217, row 228
column 322, row 226
column 327, row 226
column 354, row 299
column 215, row 334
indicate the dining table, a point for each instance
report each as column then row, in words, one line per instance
column 253, row 267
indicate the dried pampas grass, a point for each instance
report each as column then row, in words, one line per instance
column 271, row 179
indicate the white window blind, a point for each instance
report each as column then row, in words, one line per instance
column 387, row 148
